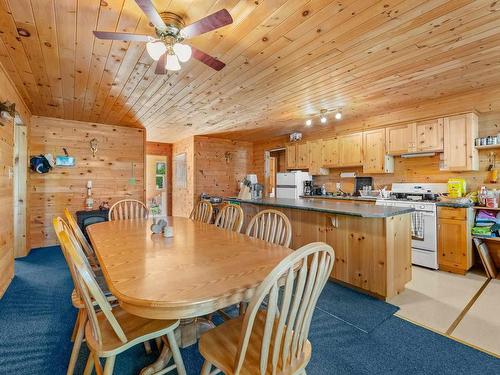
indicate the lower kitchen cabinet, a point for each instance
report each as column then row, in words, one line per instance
column 454, row 239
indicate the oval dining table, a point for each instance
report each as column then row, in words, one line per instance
column 198, row 271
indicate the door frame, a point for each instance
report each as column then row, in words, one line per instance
column 20, row 188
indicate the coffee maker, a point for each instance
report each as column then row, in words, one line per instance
column 308, row 187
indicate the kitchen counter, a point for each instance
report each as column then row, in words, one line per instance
column 341, row 198
column 348, row 208
column 454, row 205
column 372, row 243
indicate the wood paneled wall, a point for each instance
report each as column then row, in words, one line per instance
column 183, row 197
column 163, row 149
column 119, row 148
column 215, row 166
column 220, row 165
column 485, row 101
column 8, row 92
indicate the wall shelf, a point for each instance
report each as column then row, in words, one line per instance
column 486, row 208
column 488, row 147
column 497, row 239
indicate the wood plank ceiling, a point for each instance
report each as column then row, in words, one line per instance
column 286, row 59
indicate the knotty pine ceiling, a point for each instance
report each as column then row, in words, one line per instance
column 285, row 60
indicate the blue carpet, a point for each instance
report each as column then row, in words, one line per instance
column 351, row 332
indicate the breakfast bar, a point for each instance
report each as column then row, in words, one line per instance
column 372, row 244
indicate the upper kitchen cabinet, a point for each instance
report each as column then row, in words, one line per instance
column 302, row 157
column 401, row 139
column 291, row 156
column 374, row 150
column 351, row 150
column 429, row 135
column 316, row 159
column 331, row 153
column 460, row 154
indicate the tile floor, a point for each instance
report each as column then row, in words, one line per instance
column 435, row 300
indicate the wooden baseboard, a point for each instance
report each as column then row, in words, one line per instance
column 451, row 269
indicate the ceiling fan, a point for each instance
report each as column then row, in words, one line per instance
column 167, row 47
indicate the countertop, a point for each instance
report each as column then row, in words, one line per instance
column 329, row 206
column 455, row 205
column 340, row 198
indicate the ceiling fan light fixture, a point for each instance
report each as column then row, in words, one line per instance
column 183, row 51
column 323, row 119
column 156, row 49
column 172, row 63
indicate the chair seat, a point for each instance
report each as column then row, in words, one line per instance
column 136, row 330
column 220, row 345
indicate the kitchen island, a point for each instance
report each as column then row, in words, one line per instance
column 372, row 244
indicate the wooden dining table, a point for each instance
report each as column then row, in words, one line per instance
column 199, row 270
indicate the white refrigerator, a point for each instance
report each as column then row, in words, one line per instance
column 291, row 184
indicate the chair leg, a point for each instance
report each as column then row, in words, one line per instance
column 90, row 365
column 176, row 353
column 110, row 364
column 97, row 364
column 243, row 308
column 147, row 347
column 205, row 370
column 158, row 343
column 82, row 320
column 77, row 324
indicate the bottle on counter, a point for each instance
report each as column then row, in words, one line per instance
column 323, row 189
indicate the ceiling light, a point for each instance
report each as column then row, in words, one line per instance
column 183, row 51
column 172, row 63
column 156, row 49
column 338, row 115
column 309, row 122
column 323, row 119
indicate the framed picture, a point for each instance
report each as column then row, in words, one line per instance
column 160, row 167
column 160, row 182
column 180, row 170
column 65, row 161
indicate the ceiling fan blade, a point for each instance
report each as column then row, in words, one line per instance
column 122, row 36
column 151, row 12
column 160, row 65
column 208, row 23
column 207, row 59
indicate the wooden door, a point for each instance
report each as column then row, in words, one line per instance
column 400, row 139
column 316, row 159
column 351, row 150
column 302, row 155
column 374, row 151
column 430, row 135
column 459, row 133
column 291, row 156
column 331, row 152
column 452, row 244
column 6, row 202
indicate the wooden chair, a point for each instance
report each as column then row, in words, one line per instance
column 60, row 227
column 111, row 330
column 87, row 248
column 273, row 341
column 128, row 209
column 202, row 212
column 230, row 217
column 272, row 226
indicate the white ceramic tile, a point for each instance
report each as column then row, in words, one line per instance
column 481, row 325
column 434, row 298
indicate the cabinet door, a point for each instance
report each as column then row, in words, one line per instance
column 331, row 152
column 316, row 157
column 400, row 139
column 302, row 155
column 351, row 150
column 430, row 135
column 452, row 244
column 291, row 156
column 374, row 151
column 459, row 133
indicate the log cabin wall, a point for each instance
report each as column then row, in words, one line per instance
column 163, row 149
column 119, row 157
column 426, row 169
column 183, row 195
column 9, row 93
column 220, row 165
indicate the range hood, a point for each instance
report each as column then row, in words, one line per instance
column 418, row 155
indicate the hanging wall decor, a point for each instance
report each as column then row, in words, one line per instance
column 93, row 146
